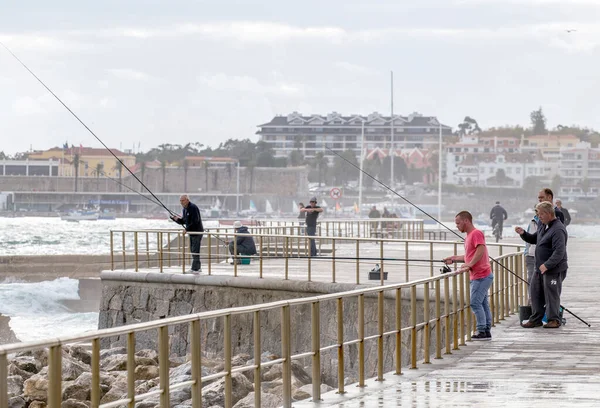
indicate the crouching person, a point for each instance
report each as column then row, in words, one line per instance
column 243, row 244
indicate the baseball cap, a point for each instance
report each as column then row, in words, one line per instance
column 237, row 224
column 313, row 199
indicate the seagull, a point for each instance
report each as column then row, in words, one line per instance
column 570, row 31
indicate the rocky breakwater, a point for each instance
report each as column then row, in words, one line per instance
column 7, row 336
column 28, row 379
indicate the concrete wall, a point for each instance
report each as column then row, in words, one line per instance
column 260, row 180
column 129, row 298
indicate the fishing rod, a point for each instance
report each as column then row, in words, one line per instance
column 440, row 223
column 158, row 201
column 87, row 128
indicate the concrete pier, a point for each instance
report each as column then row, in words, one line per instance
column 518, row 368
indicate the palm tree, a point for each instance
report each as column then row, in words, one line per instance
column 119, row 168
column 206, row 175
column 186, row 167
column 98, row 171
column 143, row 171
column 163, row 169
column 76, row 166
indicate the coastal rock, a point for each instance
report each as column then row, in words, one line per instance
column 72, row 369
column 28, row 363
column 118, row 362
column 14, row 370
column 148, row 353
column 72, row 403
column 214, row 394
column 112, row 351
column 7, row 336
column 305, row 391
column 266, row 401
column 14, row 385
column 38, row 404
column 146, row 372
column 17, row 402
column 81, row 354
column 117, row 390
column 36, row 388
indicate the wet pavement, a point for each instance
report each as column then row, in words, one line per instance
column 518, row 368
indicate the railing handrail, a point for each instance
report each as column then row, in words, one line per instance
column 16, row 347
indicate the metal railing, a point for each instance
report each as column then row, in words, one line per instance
column 445, row 309
column 132, row 249
column 361, row 228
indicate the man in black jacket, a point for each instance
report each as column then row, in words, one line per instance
column 564, row 211
column 546, row 194
column 550, row 267
column 498, row 215
column 243, row 244
column 192, row 222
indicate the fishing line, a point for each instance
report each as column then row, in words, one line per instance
column 438, row 221
column 86, row 127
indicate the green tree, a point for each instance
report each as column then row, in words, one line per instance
column 321, row 163
column 143, row 167
column 119, row 169
column 75, row 163
column 97, row 172
column 4, row 156
column 295, row 159
column 342, row 171
column 538, row 122
column 186, row 168
column 468, row 126
column 163, row 169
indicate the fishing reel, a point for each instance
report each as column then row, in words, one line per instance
column 445, row 269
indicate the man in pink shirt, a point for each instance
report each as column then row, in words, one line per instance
column 477, row 263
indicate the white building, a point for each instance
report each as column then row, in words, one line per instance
column 579, row 170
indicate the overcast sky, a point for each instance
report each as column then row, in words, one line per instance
column 153, row 71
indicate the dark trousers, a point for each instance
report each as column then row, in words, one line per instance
column 312, row 231
column 195, row 241
column 240, row 249
column 545, row 290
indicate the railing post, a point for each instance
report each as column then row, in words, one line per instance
column 361, row 340
column 461, row 296
column 131, row 369
column 4, row 380
column 447, row 313
column 54, row 376
column 413, row 324
column 148, row 249
column 286, row 354
column 316, row 349
column 426, row 318
column 112, row 252
column 123, row 249
column 380, row 331
column 159, row 242
column 381, row 274
column 163, row 365
column 183, row 246
column 196, row 345
column 136, row 256
column 438, row 320
column 333, row 259
column 260, row 243
column 257, row 358
column 399, row 331
column 340, row 342
column 455, row 312
column 210, row 252
column 286, row 254
column 95, row 367
column 227, row 357
column 406, row 260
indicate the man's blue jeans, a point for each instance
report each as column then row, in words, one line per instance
column 480, row 304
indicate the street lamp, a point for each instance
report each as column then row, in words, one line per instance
column 362, row 158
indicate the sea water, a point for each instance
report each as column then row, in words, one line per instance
column 35, row 309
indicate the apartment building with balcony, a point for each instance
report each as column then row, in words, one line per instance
column 579, row 171
column 315, row 133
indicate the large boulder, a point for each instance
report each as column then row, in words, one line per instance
column 118, row 362
column 146, row 372
column 80, row 353
column 36, row 388
column 27, row 363
column 214, row 394
column 14, row 384
column 266, row 401
column 17, row 402
column 72, row 369
column 73, row 403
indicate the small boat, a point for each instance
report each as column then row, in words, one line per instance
column 81, row 215
column 107, row 215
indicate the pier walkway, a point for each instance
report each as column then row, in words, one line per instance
column 518, row 368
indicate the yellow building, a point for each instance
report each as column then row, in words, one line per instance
column 89, row 160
